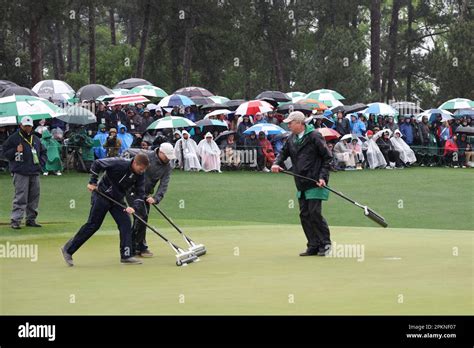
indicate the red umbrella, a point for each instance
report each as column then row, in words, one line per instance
column 253, row 106
column 128, row 99
column 328, row 133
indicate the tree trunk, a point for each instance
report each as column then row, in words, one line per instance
column 59, row 50
column 35, row 49
column 143, row 41
column 69, row 49
column 187, row 52
column 92, row 72
column 392, row 39
column 375, row 47
column 77, row 39
column 113, row 39
column 409, row 42
column 53, row 51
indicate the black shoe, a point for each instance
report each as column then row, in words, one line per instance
column 67, row 257
column 131, row 261
column 324, row 251
column 33, row 224
column 16, row 225
column 309, row 252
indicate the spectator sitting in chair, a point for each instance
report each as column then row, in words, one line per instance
column 392, row 156
column 344, row 155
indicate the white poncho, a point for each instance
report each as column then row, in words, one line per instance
column 189, row 149
column 209, row 153
column 406, row 154
column 374, row 155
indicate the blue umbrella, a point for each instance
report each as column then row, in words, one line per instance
column 433, row 113
column 267, row 128
column 464, row 112
column 175, row 100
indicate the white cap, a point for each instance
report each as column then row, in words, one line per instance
column 168, row 150
column 26, row 121
column 295, row 116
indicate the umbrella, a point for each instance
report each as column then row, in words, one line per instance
column 149, row 91
column 253, row 106
column 106, row 98
column 14, row 107
column 293, row 95
column 325, row 94
column 326, row 121
column 53, row 89
column 151, row 106
column 128, row 99
column 290, row 107
column 313, row 104
column 202, row 100
column 328, row 133
column 457, row 103
column 171, row 122
column 4, row 84
column 406, row 108
column 465, row 130
column 121, row 91
column 281, row 136
column 208, row 122
column 213, row 106
column 91, row 92
column 132, row 82
column 219, row 99
column 234, row 103
column 347, row 137
column 194, row 92
column 380, row 109
column 433, row 113
column 78, row 115
column 17, row 90
column 218, row 112
column 349, row 108
column 223, row 135
column 275, row 95
column 267, row 128
column 464, row 112
column 175, row 100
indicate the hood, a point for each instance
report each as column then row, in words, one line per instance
column 46, row 135
column 120, row 126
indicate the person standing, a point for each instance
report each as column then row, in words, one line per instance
column 310, row 157
column 26, row 156
column 120, row 176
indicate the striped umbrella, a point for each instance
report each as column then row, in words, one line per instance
column 293, row 95
column 53, row 89
column 219, row 99
column 267, row 128
column 171, row 122
column 325, row 94
column 121, row 91
column 13, row 108
column 175, row 100
column 433, row 113
column 149, row 91
column 380, row 109
column 194, row 92
column 457, row 103
column 202, row 100
column 209, row 122
column 253, row 106
column 128, row 99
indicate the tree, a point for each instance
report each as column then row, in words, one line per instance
column 375, row 47
column 92, row 61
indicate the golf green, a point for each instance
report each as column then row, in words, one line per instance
column 421, row 264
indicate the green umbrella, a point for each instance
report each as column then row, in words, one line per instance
column 14, row 107
column 78, row 115
column 324, row 94
column 171, row 122
column 457, row 103
column 219, row 99
column 149, row 91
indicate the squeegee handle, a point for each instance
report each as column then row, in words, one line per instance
column 167, row 218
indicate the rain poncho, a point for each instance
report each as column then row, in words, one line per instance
column 188, row 149
column 344, row 154
column 374, row 155
column 84, row 142
column 100, row 152
column 210, row 154
column 406, row 154
column 125, row 138
column 53, row 163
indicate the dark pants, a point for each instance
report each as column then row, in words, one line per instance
column 138, row 227
column 314, row 224
column 100, row 207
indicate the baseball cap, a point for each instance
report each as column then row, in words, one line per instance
column 168, row 150
column 295, row 116
column 27, row 121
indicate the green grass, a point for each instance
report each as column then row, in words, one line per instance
column 251, row 213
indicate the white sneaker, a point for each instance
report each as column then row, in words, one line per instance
column 59, row 173
column 45, row 173
column 388, row 167
column 266, row 170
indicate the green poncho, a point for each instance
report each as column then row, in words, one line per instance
column 85, row 143
column 53, row 151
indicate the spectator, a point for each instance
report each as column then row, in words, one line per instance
column 176, row 137
column 243, row 126
column 85, row 150
column 342, row 125
column 186, row 152
column 210, row 154
column 424, row 131
column 145, row 121
column 112, row 144
column 133, row 122
column 267, row 150
column 344, row 155
column 53, row 163
column 392, row 156
column 463, row 150
column 125, row 138
column 356, row 125
column 102, row 116
column 450, row 154
column 407, row 156
column 116, row 117
column 390, row 125
column 189, row 115
column 101, row 137
column 252, row 144
column 356, row 149
column 373, row 155
column 41, row 127
column 371, row 123
column 406, row 130
column 259, row 118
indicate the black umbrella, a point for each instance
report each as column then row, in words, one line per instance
column 130, row 83
column 275, row 95
column 354, row 108
column 223, row 135
column 234, row 103
column 469, row 130
column 4, row 84
column 305, row 108
column 17, row 90
column 201, row 100
column 194, row 92
column 91, row 92
column 270, row 101
column 213, row 106
column 326, row 121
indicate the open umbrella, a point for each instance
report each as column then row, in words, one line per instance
column 275, row 95
column 175, row 100
column 128, row 99
column 171, row 122
column 17, row 90
column 149, row 91
column 326, row 121
column 313, row 104
column 54, row 89
column 252, row 107
column 14, row 107
column 194, row 92
column 464, row 113
column 290, row 107
column 201, row 100
column 219, row 99
column 328, row 133
column 92, row 91
column 293, row 95
column 218, row 112
column 469, row 130
column 223, row 135
column 380, row 109
column 234, row 103
column 121, row 91
column 4, row 84
column 325, row 94
column 213, row 106
column 132, row 82
column 267, row 128
column 349, row 108
column 457, row 103
column 208, row 122
column 78, row 115
column 433, row 113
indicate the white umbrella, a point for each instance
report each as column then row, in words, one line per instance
column 218, row 112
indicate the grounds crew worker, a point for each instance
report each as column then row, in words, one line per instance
column 120, row 175
column 310, row 157
column 159, row 170
column 27, row 156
